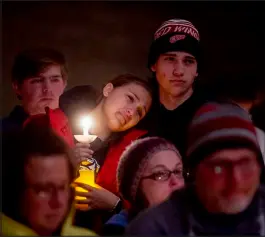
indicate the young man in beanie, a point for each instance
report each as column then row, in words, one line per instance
column 174, row 59
column 39, row 77
column 226, row 197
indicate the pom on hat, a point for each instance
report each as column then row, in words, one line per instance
column 174, row 35
column 216, row 126
column 133, row 162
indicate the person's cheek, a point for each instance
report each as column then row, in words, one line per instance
column 67, row 202
column 155, row 194
column 37, row 212
column 59, row 90
column 216, row 185
column 164, row 193
column 133, row 122
column 28, row 95
column 35, row 95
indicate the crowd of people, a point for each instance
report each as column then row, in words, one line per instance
column 169, row 159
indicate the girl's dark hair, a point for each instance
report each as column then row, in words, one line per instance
column 128, row 78
column 18, row 147
column 125, row 79
column 154, row 85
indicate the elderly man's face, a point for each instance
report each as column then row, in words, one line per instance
column 227, row 180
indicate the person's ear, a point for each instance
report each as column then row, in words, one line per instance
column 108, row 89
column 16, row 88
column 64, row 84
column 153, row 68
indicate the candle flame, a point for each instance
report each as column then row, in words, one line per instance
column 86, row 123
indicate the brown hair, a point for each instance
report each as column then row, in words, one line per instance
column 30, row 62
column 125, row 79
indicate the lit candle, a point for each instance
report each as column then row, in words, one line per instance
column 86, row 123
column 86, row 174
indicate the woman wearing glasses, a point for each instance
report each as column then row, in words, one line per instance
column 150, row 169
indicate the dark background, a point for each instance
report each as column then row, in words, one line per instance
column 103, row 39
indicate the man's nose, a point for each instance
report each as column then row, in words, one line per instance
column 175, row 182
column 57, row 200
column 236, row 176
column 178, row 69
column 46, row 86
column 129, row 112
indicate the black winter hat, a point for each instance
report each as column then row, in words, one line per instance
column 174, row 35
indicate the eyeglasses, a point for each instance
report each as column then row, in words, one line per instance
column 164, row 175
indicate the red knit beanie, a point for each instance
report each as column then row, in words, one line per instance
column 216, row 126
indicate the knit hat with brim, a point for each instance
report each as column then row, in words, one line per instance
column 174, row 35
column 134, row 161
column 219, row 126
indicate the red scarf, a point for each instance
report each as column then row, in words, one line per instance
column 106, row 177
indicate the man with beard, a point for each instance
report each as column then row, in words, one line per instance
column 226, row 197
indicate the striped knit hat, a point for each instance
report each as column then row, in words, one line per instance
column 216, row 126
column 174, row 35
column 133, row 162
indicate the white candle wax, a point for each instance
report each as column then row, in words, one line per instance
column 85, row 131
column 86, row 123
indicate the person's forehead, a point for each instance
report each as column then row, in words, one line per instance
column 132, row 86
column 51, row 69
column 136, row 89
column 178, row 54
column 164, row 157
column 49, row 167
column 231, row 154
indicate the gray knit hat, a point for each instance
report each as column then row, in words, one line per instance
column 133, row 162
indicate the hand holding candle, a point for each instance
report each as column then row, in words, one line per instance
column 88, row 167
column 97, row 198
